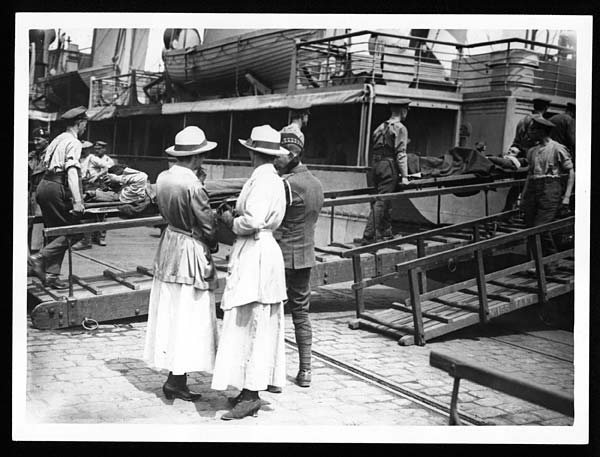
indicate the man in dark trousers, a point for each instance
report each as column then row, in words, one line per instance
column 59, row 195
column 390, row 163
column 296, row 236
column 564, row 129
column 522, row 142
column 544, row 195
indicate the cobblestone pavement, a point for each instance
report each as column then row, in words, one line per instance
column 76, row 376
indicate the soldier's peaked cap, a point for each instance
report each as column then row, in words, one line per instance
column 540, row 100
column 100, row 143
column 74, row 113
column 541, row 121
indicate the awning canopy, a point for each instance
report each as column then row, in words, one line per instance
column 43, row 116
column 270, row 101
column 101, row 113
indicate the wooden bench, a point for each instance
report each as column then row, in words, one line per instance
column 460, row 368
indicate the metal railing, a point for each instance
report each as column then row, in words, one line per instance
column 381, row 58
column 137, row 87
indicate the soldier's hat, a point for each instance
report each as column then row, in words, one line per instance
column 39, row 132
column 541, row 102
column 298, row 105
column 100, row 143
column 400, row 102
column 291, row 138
column 541, row 121
column 73, row 114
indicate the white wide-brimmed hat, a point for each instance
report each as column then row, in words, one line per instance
column 265, row 139
column 190, row 141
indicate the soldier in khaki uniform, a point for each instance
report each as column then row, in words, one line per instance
column 59, row 195
column 390, row 163
column 296, row 236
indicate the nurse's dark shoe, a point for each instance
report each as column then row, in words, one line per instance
column 243, row 408
column 176, row 387
column 274, row 389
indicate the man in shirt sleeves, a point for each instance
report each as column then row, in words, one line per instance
column 59, row 195
column 182, row 331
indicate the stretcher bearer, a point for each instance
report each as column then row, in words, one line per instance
column 251, row 353
column 59, row 195
column 182, row 330
column 297, row 241
column 543, row 194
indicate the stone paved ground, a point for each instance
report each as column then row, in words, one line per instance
column 75, row 376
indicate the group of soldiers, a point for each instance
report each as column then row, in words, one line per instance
column 546, row 146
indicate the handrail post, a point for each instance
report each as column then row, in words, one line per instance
column 358, row 292
column 539, row 268
column 70, row 254
column 415, row 301
column 331, row 222
column 481, row 285
column 422, row 274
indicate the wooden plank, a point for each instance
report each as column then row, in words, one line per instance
column 415, row 299
column 493, row 296
column 498, row 380
column 351, row 200
column 437, row 259
column 86, row 285
column 433, row 232
column 426, row 314
column 403, row 329
column 145, row 271
column 510, row 285
column 358, row 293
column 453, row 304
column 112, row 275
column 99, row 226
column 495, row 275
column 384, row 329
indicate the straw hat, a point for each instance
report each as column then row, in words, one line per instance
column 265, row 139
column 190, row 141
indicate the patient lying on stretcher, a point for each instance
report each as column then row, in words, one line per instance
column 128, row 186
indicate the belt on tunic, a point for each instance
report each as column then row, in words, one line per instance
column 545, row 177
column 57, row 177
column 189, row 233
column 260, row 232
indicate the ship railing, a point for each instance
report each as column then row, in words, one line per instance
column 136, row 88
column 373, row 57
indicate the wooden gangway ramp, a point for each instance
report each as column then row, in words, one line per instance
column 430, row 314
